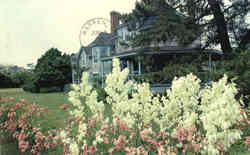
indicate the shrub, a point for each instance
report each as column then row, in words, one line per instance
column 21, row 77
column 14, row 79
column 96, row 81
column 101, row 94
column 30, row 87
column 178, row 70
column 167, row 74
column 189, row 119
column 20, row 120
column 238, row 69
column 6, row 81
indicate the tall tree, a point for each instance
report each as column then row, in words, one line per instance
column 222, row 32
column 187, row 19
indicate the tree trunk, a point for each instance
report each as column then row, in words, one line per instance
column 245, row 40
column 221, row 26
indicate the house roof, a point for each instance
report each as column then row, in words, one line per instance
column 103, row 39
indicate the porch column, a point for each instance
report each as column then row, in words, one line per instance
column 102, row 68
column 73, row 78
column 139, row 66
column 210, row 66
column 102, row 72
column 132, row 67
column 128, row 66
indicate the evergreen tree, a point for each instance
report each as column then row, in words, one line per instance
column 219, row 22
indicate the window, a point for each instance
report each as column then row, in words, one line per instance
column 83, row 60
column 127, row 37
column 104, row 51
column 107, row 68
column 119, row 33
column 95, row 55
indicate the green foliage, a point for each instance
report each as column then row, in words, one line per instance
column 167, row 24
column 190, row 22
column 5, row 81
column 237, row 69
column 101, row 94
column 29, row 84
column 21, row 77
column 53, row 69
column 30, row 87
column 14, row 79
column 96, row 80
column 178, row 70
column 167, row 74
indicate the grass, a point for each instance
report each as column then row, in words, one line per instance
column 51, row 100
column 54, row 120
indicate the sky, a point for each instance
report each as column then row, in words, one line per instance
column 31, row 27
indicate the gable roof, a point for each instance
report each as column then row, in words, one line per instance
column 103, row 39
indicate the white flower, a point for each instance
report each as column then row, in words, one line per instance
column 74, row 149
column 99, row 139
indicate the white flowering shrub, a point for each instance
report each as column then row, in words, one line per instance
column 220, row 111
column 196, row 119
column 139, row 108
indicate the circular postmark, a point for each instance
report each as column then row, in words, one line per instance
column 92, row 28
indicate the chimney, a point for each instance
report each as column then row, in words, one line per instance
column 114, row 20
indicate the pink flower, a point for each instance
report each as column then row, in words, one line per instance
column 197, row 148
column 15, row 135
column 160, row 150
column 106, row 140
column 248, row 122
column 23, row 145
column 190, row 137
column 247, row 141
column 174, row 136
column 91, row 123
column 167, row 141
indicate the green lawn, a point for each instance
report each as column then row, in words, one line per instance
column 56, row 117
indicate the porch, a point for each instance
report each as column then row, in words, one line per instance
column 149, row 61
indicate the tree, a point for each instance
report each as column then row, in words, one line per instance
column 220, row 22
column 20, row 77
column 168, row 24
column 53, row 69
column 31, row 66
column 5, row 81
